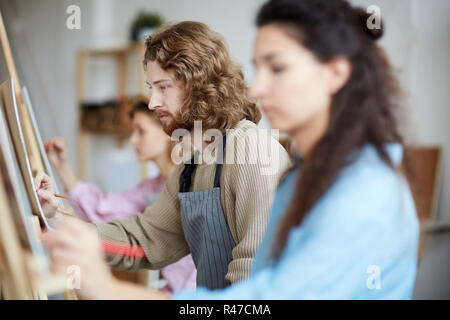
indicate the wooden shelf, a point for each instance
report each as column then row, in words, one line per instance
column 118, row 123
column 116, row 116
column 114, row 51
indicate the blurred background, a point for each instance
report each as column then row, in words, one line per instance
column 70, row 73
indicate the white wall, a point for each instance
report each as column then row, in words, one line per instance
column 418, row 43
column 430, row 83
column 417, row 40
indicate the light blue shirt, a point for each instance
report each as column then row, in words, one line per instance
column 360, row 241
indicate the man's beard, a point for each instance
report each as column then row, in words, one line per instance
column 171, row 124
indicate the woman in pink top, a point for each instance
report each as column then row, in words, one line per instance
column 151, row 144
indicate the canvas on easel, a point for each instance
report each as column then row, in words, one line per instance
column 8, row 100
column 24, row 264
column 22, row 257
column 15, row 276
column 35, row 156
column 29, row 158
column 35, row 127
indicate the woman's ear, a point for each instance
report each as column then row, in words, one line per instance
column 340, row 70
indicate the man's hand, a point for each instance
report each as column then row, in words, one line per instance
column 45, row 191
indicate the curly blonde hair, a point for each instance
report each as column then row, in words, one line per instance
column 215, row 90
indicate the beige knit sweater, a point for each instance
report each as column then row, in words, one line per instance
column 246, row 196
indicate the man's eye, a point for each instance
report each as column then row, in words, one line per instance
column 163, row 87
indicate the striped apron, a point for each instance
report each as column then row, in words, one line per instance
column 205, row 228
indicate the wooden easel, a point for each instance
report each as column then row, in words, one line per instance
column 19, row 278
column 24, row 270
column 16, row 281
column 19, row 142
column 35, row 156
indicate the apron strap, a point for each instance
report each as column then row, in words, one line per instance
column 220, row 156
column 186, row 174
column 189, row 167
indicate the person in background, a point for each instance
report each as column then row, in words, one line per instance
column 151, row 144
column 343, row 223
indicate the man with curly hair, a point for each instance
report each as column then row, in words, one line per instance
column 218, row 212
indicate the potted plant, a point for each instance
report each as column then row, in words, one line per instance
column 144, row 24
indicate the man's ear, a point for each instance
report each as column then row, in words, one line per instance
column 340, row 70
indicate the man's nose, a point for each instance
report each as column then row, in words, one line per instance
column 154, row 101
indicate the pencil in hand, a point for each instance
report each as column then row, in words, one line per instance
column 61, row 196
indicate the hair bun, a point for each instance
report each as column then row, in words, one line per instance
column 368, row 21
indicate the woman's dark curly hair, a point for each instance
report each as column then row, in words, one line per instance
column 362, row 112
